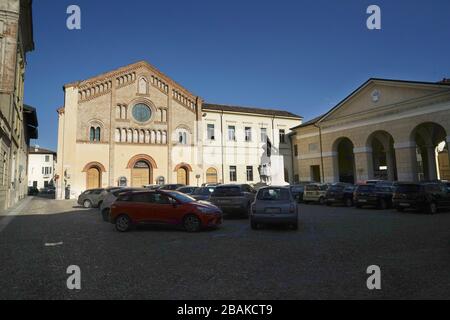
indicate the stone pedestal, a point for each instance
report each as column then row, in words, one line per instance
column 277, row 171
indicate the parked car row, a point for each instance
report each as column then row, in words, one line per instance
column 127, row 207
column 425, row 196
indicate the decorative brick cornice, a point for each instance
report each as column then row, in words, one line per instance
column 158, row 80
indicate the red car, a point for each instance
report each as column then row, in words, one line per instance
column 163, row 207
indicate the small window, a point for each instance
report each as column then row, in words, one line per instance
column 95, row 134
column 47, row 158
column 182, row 137
column 233, row 174
column 282, row 134
column 264, row 135
column 211, row 132
column 231, row 133
column 296, row 150
column 249, row 173
column 248, row 134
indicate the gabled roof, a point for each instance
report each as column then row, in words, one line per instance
column 119, row 71
column 250, row 110
column 442, row 84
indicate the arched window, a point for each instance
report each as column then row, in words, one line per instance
column 95, row 134
column 142, row 86
column 92, row 134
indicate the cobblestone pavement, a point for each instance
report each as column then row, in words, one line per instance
column 326, row 258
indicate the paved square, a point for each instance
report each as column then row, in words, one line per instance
column 326, row 258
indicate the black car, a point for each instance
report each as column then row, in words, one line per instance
column 340, row 194
column 32, row 191
column 203, row 193
column 425, row 197
column 297, row 192
column 379, row 196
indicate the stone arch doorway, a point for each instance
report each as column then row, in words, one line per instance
column 142, row 167
column 183, row 170
column 94, row 172
column 383, row 156
column 432, row 150
column 141, row 174
column 345, row 160
column 211, row 176
column 182, row 176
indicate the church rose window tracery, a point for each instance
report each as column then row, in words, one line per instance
column 142, row 112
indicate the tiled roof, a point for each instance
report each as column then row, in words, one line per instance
column 261, row 111
column 39, row 150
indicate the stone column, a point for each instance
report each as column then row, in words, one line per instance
column 405, row 154
column 390, row 164
column 331, row 167
column 363, row 163
column 432, row 165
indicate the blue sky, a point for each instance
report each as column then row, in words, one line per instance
column 302, row 56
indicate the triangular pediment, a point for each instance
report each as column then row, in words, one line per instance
column 127, row 74
column 377, row 94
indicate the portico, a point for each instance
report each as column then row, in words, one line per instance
column 386, row 130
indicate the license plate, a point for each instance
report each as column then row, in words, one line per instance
column 272, row 210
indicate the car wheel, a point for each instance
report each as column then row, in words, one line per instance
column 123, row 223
column 87, row 204
column 192, row 223
column 349, row 203
column 432, row 208
column 322, row 201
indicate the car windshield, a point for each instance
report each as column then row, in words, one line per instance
column 204, row 191
column 406, row 188
column 183, row 198
column 366, row 188
column 273, row 194
column 227, row 191
column 336, row 188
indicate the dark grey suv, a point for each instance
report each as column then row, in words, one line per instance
column 91, row 198
column 234, row 199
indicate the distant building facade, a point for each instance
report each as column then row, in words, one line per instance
column 135, row 126
column 18, row 122
column 41, row 167
column 385, row 129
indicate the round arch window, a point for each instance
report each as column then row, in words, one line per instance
column 142, row 112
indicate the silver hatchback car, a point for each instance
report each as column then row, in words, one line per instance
column 274, row 205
